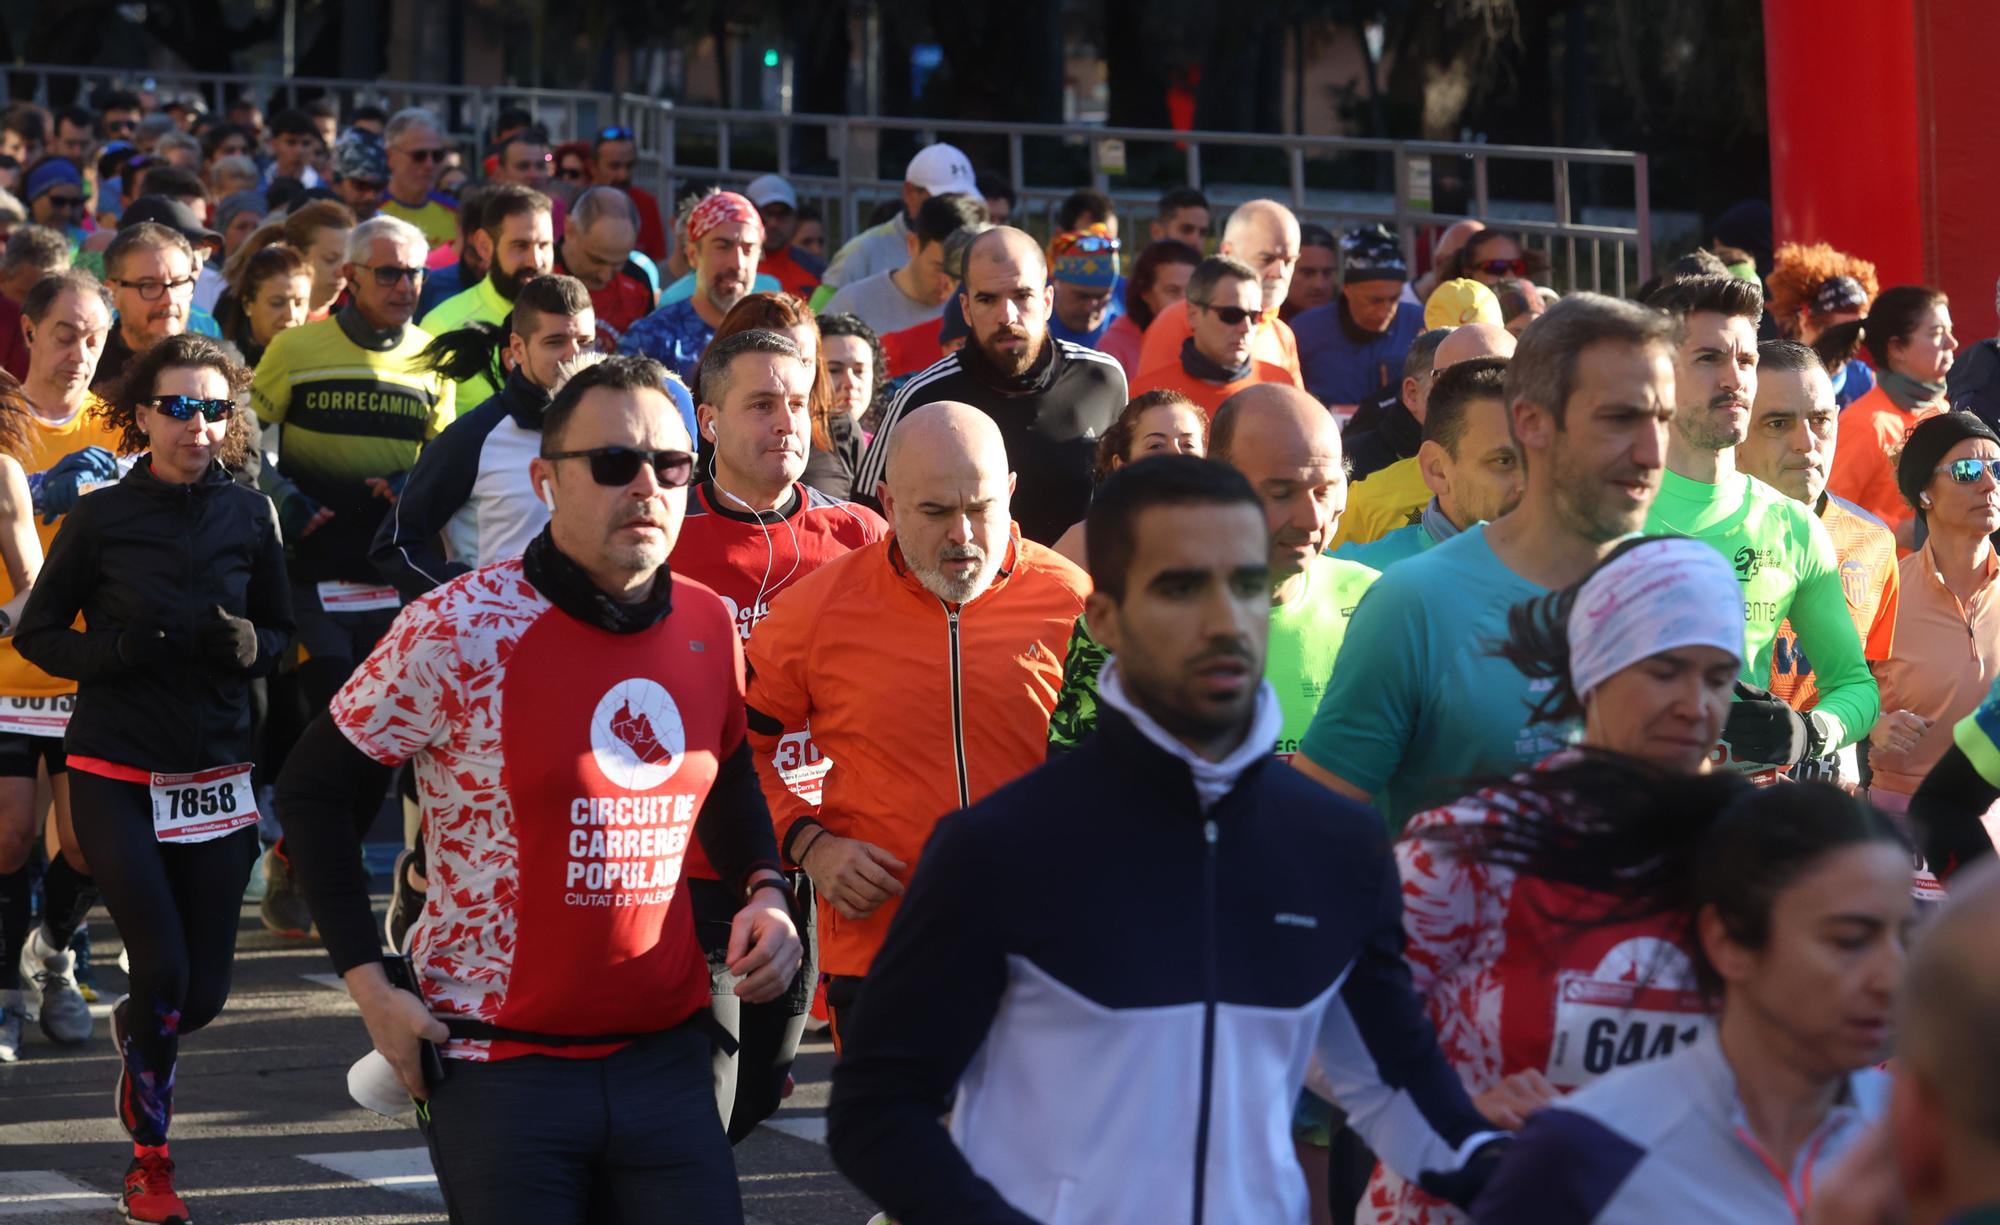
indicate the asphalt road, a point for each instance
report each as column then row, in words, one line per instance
column 264, row 1130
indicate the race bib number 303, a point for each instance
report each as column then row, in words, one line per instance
column 198, row 807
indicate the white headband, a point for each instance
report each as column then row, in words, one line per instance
column 1658, row 596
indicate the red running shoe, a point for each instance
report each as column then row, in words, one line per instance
column 148, row 1198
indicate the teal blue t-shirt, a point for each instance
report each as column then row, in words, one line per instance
column 1400, row 545
column 1418, row 704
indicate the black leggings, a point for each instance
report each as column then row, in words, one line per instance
column 177, row 908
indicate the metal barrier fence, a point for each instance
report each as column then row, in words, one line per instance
column 1414, row 187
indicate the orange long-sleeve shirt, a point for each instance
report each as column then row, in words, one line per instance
column 1872, row 430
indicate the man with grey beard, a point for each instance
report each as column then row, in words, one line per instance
column 926, row 665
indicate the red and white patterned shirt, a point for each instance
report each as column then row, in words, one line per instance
column 1513, row 979
column 560, row 768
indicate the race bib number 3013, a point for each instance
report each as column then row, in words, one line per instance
column 198, row 807
column 36, row 716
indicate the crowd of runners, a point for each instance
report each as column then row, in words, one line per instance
column 1223, row 720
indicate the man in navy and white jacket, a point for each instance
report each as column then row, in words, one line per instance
column 1124, row 962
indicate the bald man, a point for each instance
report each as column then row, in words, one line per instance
column 1288, row 447
column 1395, row 497
column 926, row 664
column 1050, row 400
column 1265, row 235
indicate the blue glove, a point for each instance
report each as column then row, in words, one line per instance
column 65, row 479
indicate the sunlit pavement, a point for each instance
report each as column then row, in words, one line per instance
column 264, row 1130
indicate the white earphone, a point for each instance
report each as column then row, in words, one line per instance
column 548, row 494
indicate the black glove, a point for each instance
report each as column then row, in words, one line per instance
column 147, row 643
column 226, row 641
column 1764, row 729
column 1463, row 1185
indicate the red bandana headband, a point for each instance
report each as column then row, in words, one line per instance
column 722, row 208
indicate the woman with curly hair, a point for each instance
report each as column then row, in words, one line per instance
column 178, row 572
column 1813, row 289
column 857, row 370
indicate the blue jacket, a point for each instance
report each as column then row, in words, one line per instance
column 1125, row 993
column 1341, row 370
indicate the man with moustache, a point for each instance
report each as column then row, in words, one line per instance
column 1790, row 447
column 725, row 237
column 150, row 269
column 1050, row 399
column 1782, row 555
column 516, row 240
column 926, row 666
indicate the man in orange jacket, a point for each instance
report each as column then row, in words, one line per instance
column 1216, row 361
column 1265, row 235
column 926, row 665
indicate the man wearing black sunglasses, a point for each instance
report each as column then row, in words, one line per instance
column 1224, row 304
column 357, row 405
column 414, row 141
column 581, row 680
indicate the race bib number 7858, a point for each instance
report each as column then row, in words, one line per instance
column 198, row 807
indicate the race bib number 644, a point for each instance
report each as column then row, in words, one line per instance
column 198, row 807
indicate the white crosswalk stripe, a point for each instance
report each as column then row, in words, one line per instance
column 33, row 1193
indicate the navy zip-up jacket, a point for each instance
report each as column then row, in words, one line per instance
column 1126, row 994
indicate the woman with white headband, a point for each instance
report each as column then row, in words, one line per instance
column 1537, row 981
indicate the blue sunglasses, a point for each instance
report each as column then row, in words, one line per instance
column 181, row 408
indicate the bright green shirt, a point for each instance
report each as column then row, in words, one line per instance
column 1306, row 634
column 480, row 304
column 1788, row 568
column 1419, row 706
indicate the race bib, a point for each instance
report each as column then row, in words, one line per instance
column 198, row 807
column 337, row 597
column 36, row 716
column 1603, row 1023
column 801, row 766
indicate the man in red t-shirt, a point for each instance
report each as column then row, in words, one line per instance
column 795, row 270
column 596, row 249
column 613, row 154
column 753, row 531
column 574, row 717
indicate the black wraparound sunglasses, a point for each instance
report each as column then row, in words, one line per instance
column 618, row 466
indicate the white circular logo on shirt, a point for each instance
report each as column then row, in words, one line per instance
column 636, row 735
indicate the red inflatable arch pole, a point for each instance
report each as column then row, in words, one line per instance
column 1883, row 119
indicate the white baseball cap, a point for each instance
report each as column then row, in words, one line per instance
column 771, row 189
column 942, row 168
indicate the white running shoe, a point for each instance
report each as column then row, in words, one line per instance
column 10, row 1026
column 50, row 993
